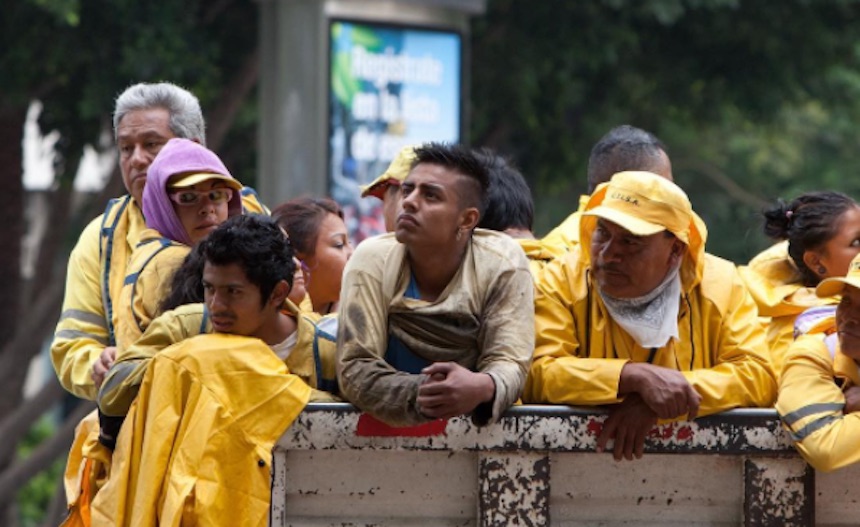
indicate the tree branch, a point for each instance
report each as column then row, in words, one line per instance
column 223, row 115
column 42, row 457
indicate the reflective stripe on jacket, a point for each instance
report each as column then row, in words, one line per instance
column 811, row 402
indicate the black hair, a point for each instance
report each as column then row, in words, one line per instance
column 258, row 245
column 807, row 222
column 508, row 202
column 624, row 148
column 186, row 286
column 462, row 160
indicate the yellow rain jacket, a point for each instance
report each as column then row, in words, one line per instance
column 86, row 471
column 153, row 263
column 196, row 447
column 580, row 350
column 97, row 269
column 811, row 401
column 777, row 288
column 540, row 253
column 567, row 232
column 312, row 358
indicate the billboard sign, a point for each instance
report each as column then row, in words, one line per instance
column 389, row 87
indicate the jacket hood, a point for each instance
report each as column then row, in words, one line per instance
column 179, row 156
column 776, row 284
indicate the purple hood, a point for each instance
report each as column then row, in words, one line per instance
column 176, row 157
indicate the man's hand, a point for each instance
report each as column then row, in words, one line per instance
column 451, row 390
column 665, row 391
column 628, row 423
column 103, row 364
column 852, row 400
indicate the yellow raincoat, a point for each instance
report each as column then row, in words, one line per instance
column 97, row 269
column 811, row 401
column 566, row 234
column 86, row 471
column 540, row 253
column 196, row 446
column 777, row 288
column 312, row 358
column 580, row 350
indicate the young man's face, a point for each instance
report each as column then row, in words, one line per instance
column 430, row 208
column 234, row 303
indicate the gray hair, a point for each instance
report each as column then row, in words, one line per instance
column 186, row 118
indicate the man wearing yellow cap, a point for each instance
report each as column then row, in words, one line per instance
column 387, row 186
column 640, row 318
column 819, row 388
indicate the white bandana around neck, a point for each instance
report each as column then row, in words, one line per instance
column 651, row 319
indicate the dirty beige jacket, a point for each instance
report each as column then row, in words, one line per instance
column 483, row 320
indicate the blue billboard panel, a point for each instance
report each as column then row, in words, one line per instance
column 388, row 87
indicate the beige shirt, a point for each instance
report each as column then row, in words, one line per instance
column 483, row 320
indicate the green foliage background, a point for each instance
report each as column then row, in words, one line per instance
column 755, row 100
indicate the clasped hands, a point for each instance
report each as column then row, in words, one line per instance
column 650, row 393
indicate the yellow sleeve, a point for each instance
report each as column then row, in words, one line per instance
column 82, row 331
column 559, row 374
column 810, row 405
column 741, row 375
column 122, row 382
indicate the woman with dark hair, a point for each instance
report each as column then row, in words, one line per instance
column 319, row 237
column 819, row 234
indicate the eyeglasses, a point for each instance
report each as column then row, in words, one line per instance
column 189, row 198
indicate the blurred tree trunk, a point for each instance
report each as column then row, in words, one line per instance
column 11, row 228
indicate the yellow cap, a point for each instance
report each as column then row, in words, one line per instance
column 833, row 286
column 394, row 174
column 644, row 204
column 187, row 180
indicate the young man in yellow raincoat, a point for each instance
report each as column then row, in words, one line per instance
column 819, row 388
column 641, row 318
column 196, row 442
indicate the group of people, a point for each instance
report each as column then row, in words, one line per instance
column 202, row 323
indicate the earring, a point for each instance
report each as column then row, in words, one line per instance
column 459, row 234
column 822, row 270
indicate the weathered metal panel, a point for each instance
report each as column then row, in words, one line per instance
column 548, row 428
column 380, row 488
column 837, row 497
column 659, row 489
column 326, row 474
column 778, row 491
column 514, row 489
